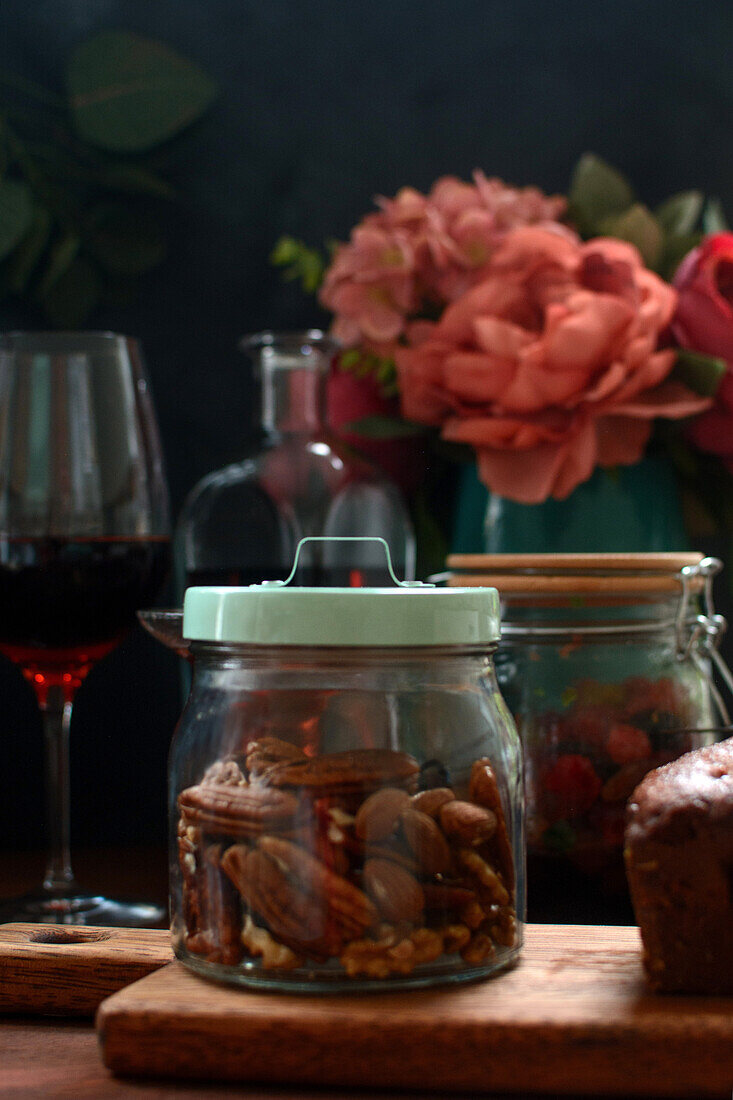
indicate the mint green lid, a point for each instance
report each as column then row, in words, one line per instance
column 275, row 614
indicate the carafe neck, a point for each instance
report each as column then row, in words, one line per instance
column 291, row 369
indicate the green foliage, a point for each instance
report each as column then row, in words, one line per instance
column 701, row 373
column 299, row 263
column 82, row 210
column 602, row 203
column 128, row 94
column 362, row 363
column 597, row 191
column 384, row 427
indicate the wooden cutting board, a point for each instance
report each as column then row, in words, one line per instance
column 67, row 970
column 573, row 1017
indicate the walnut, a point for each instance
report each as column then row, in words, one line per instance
column 259, row 942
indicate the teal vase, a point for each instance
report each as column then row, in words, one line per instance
column 624, row 509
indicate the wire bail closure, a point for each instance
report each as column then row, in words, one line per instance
column 699, row 639
column 346, row 538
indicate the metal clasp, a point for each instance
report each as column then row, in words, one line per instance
column 699, row 638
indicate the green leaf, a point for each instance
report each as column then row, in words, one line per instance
column 300, row 262
column 384, row 427
column 674, row 250
column 61, row 258
column 679, row 213
column 125, row 241
column 129, row 93
column 639, row 227
column 597, row 191
column 700, row 373
column 16, row 214
column 73, row 295
column 713, row 218
column 135, row 180
column 29, row 251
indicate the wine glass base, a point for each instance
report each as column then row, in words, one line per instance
column 77, row 908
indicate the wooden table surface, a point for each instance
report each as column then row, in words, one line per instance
column 43, row 1058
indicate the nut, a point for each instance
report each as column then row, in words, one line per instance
column 379, row 813
column 268, row 751
column 484, row 874
column 426, row 841
column 275, row 956
column 350, row 909
column 484, row 790
column 396, row 894
column 226, row 772
column 359, row 769
column 430, row 801
column 466, row 822
column 238, row 811
column 383, row 957
column 478, row 949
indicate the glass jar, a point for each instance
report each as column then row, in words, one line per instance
column 345, row 791
column 241, row 524
column 605, row 663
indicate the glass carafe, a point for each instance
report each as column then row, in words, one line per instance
column 241, row 524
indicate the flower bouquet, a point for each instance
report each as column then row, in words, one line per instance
column 545, row 335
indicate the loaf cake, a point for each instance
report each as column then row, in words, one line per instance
column 679, row 864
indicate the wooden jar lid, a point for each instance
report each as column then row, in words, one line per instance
column 633, row 575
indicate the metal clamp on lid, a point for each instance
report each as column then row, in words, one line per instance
column 345, row 538
column 699, row 638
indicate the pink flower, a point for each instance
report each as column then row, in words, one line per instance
column 418, row 252
column 549, row 366
column 703, row 321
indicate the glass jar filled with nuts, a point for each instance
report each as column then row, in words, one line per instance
column 346, row 789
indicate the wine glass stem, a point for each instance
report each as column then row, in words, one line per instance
column 56, row 720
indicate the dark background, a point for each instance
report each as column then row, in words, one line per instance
column 322, row 105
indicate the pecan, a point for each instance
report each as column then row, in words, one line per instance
column 289, row 912
column 430, row 801
column 484, row 790
column 212, row 911
column 466, row 822
column 396, row 894
column 275, row 956
column 264, row 754
column 426, row 841
column 379, row 813
column 349, row 907
column 238, row 811
column 358, row 769
column 227, row 772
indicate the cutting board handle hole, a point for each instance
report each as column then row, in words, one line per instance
column 70, row 936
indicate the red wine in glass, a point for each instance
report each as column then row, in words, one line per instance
column 84, row 542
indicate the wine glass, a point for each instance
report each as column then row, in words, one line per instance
column 84, row 542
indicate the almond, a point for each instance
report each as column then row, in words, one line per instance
column 379, row 813
column 429, row 802
column 395, row 893
column 426, row 841
column 466, row 822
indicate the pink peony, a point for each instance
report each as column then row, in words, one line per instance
column 549, row 366
column 703, row 321
column 419, row 252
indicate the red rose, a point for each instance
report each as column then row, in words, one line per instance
column 703, row 321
